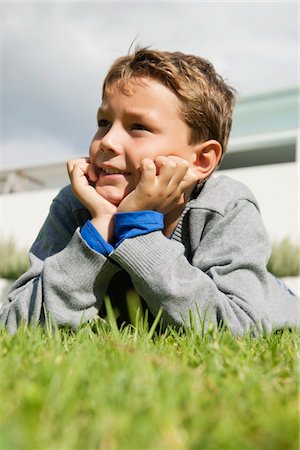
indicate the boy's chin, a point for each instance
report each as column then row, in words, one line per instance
column 114, row 198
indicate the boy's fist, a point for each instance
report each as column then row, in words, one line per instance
column 82, row 176
column 164, row 185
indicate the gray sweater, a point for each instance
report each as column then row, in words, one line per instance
column 214, row 266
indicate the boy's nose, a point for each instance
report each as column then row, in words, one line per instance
column 111, row 142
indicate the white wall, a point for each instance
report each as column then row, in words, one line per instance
column 275, row 187
column 23, row 213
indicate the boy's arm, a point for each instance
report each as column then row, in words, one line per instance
column 225, row 280
column 66, row 276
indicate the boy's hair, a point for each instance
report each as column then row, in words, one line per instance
column 206, row 100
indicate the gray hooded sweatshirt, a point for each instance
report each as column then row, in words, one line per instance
column 214, row 266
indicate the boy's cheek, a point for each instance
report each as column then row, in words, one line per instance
column 94, row 148
column 136, row 176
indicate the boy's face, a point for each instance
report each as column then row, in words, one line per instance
column 145, row 123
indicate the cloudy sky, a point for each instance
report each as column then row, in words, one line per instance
column 55, row 55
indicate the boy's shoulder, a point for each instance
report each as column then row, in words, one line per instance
column 68, row 199
column 221, row 193
column 67, row 209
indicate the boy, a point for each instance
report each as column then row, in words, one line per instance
column 144, row 203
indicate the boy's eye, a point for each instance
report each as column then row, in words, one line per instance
column 102, row 123
column 139, row 126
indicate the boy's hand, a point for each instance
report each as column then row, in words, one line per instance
column 82, row 174
column 162, row 186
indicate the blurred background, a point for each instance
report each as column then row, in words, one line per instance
column 55, row 56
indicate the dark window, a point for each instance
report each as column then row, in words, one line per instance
column 259, row 157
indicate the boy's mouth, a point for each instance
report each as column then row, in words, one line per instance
column 113, row 171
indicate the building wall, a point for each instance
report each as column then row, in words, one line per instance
column 23, row 213
column 276, row 188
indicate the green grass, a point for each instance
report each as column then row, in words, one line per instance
column 13, row 261
column 134, row 388
column 285, row 259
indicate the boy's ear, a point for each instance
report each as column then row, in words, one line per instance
column 207, row 157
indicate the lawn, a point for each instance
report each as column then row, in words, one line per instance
column 109, row 389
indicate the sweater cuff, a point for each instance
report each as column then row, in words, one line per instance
column 94, row 239
column 136, row 223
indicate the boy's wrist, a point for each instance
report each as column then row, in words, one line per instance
column 135, row 223
column 95, row 240
column 105, row 226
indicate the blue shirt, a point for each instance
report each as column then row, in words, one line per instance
column 127, row 225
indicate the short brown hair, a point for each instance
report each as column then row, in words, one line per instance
column 206, row 100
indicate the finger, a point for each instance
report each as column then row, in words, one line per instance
column 172, row 171
column 91, row 173
column 166, row 168
column 71, row 162
column 182, row 167
column 178, row 160
column 184, row 188
column 188, row 180
column 69, row 167
column 78, row 174
column 79, row 160
column 148, row 169
column 161, row 161
column 81, row 168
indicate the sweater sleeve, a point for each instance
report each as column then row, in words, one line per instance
column 224, row 281
column 127, row 225
column 66, row 278
column 94, row 239
column 136, row 223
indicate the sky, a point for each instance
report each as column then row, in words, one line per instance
column 55, row 55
